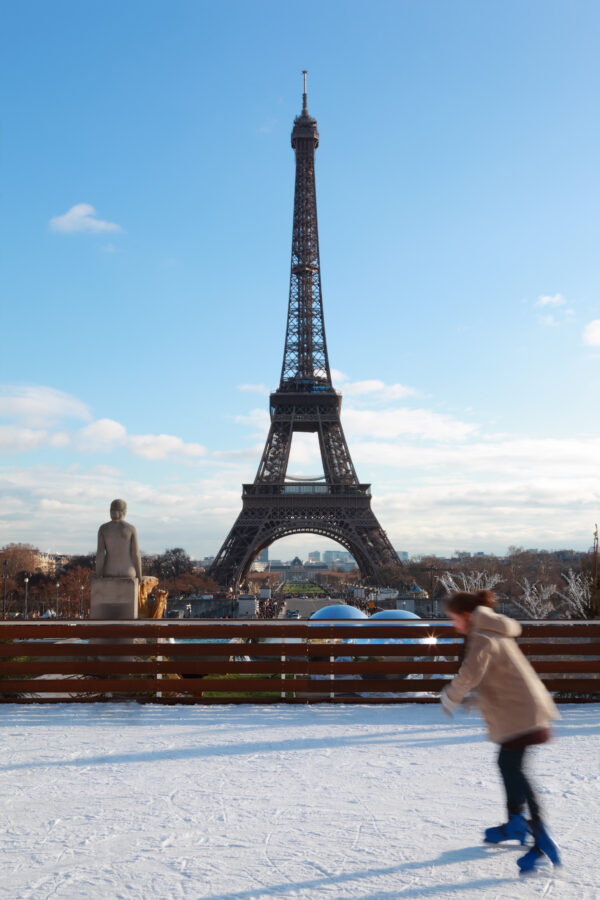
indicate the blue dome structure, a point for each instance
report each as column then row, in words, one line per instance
column 397, row 616
column 339, row 611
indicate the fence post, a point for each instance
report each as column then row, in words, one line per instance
column 158, row 673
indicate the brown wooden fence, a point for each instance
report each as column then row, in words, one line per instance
column 225, row 661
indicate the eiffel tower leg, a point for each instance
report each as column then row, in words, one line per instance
column 276, row 454
column 241, row 543
column 337, row 462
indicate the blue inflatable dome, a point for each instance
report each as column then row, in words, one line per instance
column 339, row 611
column 395, row 614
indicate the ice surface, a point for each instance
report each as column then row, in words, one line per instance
column 250, row 802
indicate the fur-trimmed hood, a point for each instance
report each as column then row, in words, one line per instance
column 485, row 619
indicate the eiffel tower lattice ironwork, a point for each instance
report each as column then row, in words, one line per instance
column 337, row 506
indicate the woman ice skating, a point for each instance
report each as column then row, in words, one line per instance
column 517, row 709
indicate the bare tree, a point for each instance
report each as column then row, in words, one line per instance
column 453, row 582
column 577, row 597
column 535, row 599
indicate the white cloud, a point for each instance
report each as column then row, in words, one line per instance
column 371, row 387
column 391, row 423
column 378, row 388
column 549, row 320
column 441, row 516
column 527, row 457
column 250, row 454
column 60, row 439
column 162, row 446
column 102, row 435
column 34, row 410
column 547, row 300
column 106, row 434
column 258, row 419
column 82, row 217
column 338, row 377
column 61, row 509
column 40, row 407
column 591, row 333
column 15, row 439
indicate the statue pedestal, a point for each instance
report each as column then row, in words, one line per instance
column 114, row 598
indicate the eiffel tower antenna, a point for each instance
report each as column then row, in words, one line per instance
column 275, row 505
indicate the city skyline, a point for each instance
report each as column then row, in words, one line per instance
column 146, row 226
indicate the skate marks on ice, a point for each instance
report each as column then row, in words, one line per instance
column 305, row 743
column 308, row 802
column 332, row 884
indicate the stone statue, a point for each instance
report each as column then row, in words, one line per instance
column 115, row 586
column 118, row 553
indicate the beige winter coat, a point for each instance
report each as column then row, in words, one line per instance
column 511, row 697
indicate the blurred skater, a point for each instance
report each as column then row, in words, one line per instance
column 517, row 709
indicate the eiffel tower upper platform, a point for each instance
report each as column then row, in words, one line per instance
column 274, row 506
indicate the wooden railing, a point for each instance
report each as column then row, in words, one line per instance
column 225, row 661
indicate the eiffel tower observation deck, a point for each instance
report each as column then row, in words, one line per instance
column 275, row 505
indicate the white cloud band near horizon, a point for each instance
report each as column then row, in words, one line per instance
column 438, row 482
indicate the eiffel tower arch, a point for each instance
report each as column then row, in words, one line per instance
column 337, row 506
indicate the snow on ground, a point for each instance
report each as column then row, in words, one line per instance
column 250, row 802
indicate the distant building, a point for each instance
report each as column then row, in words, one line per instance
column 60, row 560
column 402, row 555
column 337, row 556
column 46, row 563
column 416, row 600
column 314, row 556
column 263, row 556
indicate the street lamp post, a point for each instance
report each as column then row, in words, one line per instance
column 5, row 575
column 26, row 594
column 57, row 589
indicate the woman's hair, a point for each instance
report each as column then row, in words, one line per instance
column 466, row 603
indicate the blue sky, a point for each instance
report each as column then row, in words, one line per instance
column 146, row 201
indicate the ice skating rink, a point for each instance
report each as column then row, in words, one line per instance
column 250, row 802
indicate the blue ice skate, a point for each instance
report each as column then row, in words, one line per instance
column 544, row 846
column 516, row 829
column 528, row 862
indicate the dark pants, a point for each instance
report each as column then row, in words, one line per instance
column 516, row 784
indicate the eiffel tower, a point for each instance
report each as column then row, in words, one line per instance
column 336, row 506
